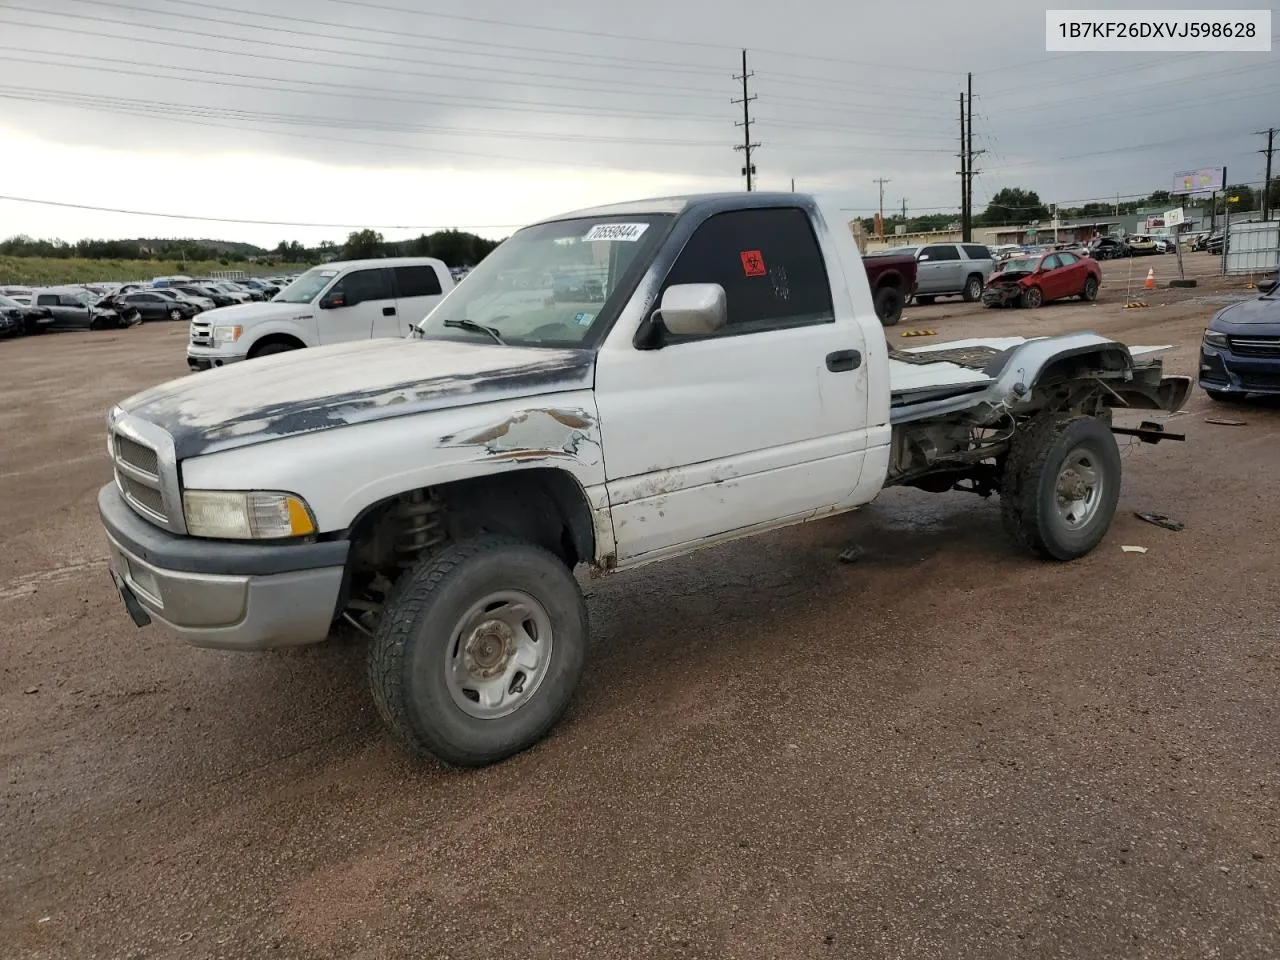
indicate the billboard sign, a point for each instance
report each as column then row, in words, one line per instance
column 1198, row 181
column 1155, row 222
column 1174, row 218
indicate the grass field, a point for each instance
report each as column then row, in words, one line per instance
column 47, row 271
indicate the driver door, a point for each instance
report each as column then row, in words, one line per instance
column 353, row 306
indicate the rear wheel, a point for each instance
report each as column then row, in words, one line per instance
column 1060, row 487
column 479, row 650
column 1033, row 298
column 889, row 302
column 972, row 288
column 1090, row 291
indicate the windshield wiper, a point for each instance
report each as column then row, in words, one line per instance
column 477, row 328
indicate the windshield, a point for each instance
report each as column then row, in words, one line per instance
column 308, row 286
column 6, row 302
column 549, row 284
column 1021, row 265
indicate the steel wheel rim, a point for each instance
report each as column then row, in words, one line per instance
column 1079, row 488
column 498, row 654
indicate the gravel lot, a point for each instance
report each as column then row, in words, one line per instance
column 945, row 750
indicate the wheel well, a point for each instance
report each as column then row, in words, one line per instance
column 889, row 280
column 284, row 338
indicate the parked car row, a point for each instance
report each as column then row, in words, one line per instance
column 97, row 306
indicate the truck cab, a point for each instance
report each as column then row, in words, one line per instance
column 333, row 303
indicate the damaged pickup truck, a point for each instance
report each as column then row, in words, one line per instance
column 438, row 492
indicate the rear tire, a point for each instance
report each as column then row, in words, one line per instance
column 889, row 302
column 972, row 289
column 456, row 670
column 1060, row 487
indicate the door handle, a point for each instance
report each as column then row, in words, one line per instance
column 844, row 360
column 388, row 311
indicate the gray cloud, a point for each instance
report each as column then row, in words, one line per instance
column 846, row 93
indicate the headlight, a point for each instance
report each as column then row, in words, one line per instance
column 226, row 334
column 246, row 514
column 1215, row 339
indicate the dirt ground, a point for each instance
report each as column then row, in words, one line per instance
column 945, row 750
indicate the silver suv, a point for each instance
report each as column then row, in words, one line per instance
column 950, row 270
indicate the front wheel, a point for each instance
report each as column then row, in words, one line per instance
column 972, row 289
column 175, row 315
column 479, row 650
column 1060, row 487
column 1033, row 298
column 1090, row 291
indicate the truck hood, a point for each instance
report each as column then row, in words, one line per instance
column 1247, row 313
column 324, row 387
column 259, row 311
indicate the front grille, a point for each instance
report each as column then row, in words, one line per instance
column 146, row 497
column 137, row 456
column 1256, row 346
column 201, row 333
column 138, row 475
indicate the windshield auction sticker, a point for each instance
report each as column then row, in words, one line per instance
column 1158, row 31
column 617, row 231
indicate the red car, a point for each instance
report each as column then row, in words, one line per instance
column 1032, row 281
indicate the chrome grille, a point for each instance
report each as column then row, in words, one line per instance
column 149, row 498
column 140, row 477
column 1256, row 346
column 137, row 456
column 202, row 333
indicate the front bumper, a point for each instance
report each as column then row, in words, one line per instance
column 220, row 594
column 1225, row 371
column 205, row 358
column 1001, row 295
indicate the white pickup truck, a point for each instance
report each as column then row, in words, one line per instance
column 609, row 387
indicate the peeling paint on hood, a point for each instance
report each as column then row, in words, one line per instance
column 324, row 387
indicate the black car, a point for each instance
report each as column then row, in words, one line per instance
column 219, row 297
column 1108, row 248
column 268, row 290
column 13, row 320
column 152, row 306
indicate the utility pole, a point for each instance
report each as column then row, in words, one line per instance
column 964, row 177
column 969, row 170
column 746, row 146
column 1270, row 134
column 904, row 210
column 882, row 181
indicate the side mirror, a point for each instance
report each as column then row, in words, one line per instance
column 694, row 309
column 333, row 300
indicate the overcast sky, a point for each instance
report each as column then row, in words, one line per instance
column 363, row 112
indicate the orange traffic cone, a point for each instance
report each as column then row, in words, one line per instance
column 1151, row 279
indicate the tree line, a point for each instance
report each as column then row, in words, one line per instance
column 457, row 248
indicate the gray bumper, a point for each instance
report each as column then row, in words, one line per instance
column 231, row 596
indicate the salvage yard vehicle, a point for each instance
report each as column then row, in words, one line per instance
column 74, row 308
column 892, row 277
column 437, row 492
column 950, row 269
column 1240, row 350
column 1108, row 248
column 1032, row 282
column 334, row 303
column 153, row 305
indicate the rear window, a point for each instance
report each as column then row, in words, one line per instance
column 976, row 251
column 420, row 281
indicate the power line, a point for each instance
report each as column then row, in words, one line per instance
column 257, row 223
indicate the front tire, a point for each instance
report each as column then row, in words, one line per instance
column 1090, row 291
column 1060, row 487
column 972, row 289
column 271, row 348
column 175, row 315
column 479, row 650
column 1033, row 298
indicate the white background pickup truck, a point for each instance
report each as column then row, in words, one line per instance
column 608, row 388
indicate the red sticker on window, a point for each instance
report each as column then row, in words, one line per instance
column 753, row 263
